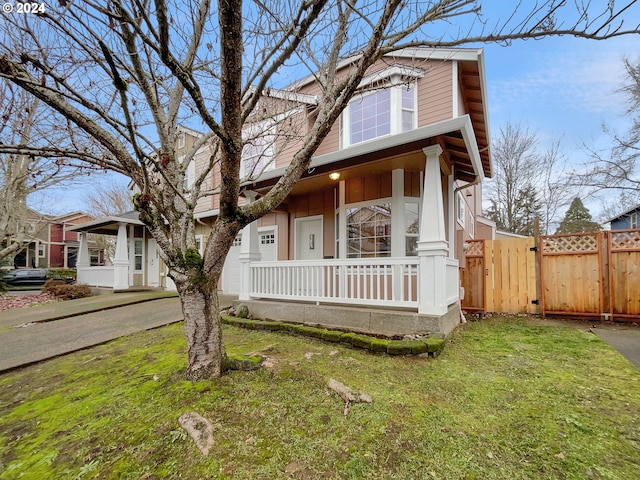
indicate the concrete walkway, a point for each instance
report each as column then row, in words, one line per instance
column 38, row 333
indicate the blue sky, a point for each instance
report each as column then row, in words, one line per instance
column 560, row 86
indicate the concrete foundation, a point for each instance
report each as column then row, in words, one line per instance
column 382, row 322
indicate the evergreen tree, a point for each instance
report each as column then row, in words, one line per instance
column 577, row 219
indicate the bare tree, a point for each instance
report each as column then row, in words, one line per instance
column 617, row 168
column 127, row 74
column 106, row 199
column 528, row 182
column 25, row 121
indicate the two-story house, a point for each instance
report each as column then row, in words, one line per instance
column 53, row 245
column 380, row 218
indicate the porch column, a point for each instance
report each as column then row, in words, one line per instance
column 249, row 252
column 433, row 247
column 121, row 259
column 83, row 259
column 82, row 262
column 398, row 228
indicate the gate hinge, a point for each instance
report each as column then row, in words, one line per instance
column 535, row 302
column 533, row 249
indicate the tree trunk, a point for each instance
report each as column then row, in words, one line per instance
column 203, row 329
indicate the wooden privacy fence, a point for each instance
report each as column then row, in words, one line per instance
column 584, row 274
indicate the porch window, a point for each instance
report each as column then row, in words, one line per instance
column 382, row 112
column 369, row 231
column 412, row 228
column 137, row 254
column 461, row 211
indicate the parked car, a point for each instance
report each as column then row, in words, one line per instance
column 26, row 276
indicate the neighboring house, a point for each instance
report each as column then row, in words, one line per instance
column 626, row 220
column 53, row 245
column 381, row 217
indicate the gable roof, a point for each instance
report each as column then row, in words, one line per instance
column 470, row 70
column 623, row 214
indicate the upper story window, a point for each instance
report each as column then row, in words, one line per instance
column 387, row 107
column 181, row 140
column 633, row 220
column 258, row 153
column 387, row 111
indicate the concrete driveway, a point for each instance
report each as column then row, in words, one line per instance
column 34, row 334
column 625, row 339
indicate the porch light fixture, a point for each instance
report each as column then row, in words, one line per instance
column 334, row 175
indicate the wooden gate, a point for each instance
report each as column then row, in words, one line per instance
column 500, row 276
column 473, row 278
column 572, row 274
column 586, row 275
column 624, row 274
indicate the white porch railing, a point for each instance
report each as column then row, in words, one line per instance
column 379, row 281
column 453, row 281
column 96, row 276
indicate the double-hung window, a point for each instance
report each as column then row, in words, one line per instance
column 258, row 153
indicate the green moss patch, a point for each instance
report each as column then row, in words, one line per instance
column 393, row 347
column 507, row 399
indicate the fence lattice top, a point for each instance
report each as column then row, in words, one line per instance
column 578, row 243
column 625, row 240
column 476, row 248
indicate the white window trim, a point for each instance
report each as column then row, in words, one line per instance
column 266, row 128
column 394, row 72
column 200, row 238
column 461, row 210
column 133, row 255
column 368, row 203
column 395, row 85
column 633, row 220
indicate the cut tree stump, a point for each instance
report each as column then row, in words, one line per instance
column 348, row 395
column 198, row 428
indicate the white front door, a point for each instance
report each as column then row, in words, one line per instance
column 309, row 238
column 153, row 264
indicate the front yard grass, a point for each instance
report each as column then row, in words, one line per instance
column 506, row 399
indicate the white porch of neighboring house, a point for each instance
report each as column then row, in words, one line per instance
column 136, row 261
column 389, row 295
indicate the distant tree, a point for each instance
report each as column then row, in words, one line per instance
column 618, row 167
column 104, row 200
column 24, row 121
column 577, row 219
column 527, row 182
column 108, row 199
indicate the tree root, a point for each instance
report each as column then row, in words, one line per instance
column 198, row 428
column 348, row 395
